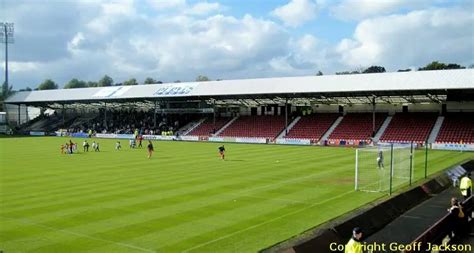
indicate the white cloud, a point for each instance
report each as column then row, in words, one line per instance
column 167, row 4
column 15, row 66
column 180, row 46
column 362, row 9
column 305, row 56
column 75, row 42
column 203, row 8
column 89, row 39
column 182, row 7
column 296, row 12
column 413, row 39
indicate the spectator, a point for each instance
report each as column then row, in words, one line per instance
column 456, row 218
column 355, row 243
column 466, row 186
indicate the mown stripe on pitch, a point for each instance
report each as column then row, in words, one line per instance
column 19, row 211
column 171, row 197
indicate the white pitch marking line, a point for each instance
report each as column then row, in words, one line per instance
column 264, row 198
column 265, row 222
column 25, row 221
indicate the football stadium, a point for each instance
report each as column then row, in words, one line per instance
column 368, row 161
column 290, row 160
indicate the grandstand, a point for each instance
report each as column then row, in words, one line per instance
column 313, row 126
column 347, row 109
column 255, row 126
column 259, row 195
column 409, row 127
column 457, row 128
column 358, row 127
column 209, row 127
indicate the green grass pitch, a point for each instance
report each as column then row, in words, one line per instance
column 184, row 199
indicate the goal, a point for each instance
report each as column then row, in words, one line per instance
column 384, row 167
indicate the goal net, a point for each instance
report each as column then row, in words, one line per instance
column 384, row 167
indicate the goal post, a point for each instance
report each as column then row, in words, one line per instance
column 384, row 167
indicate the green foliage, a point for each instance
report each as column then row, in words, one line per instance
column 132, row 81
column 435, row 65
column 105, row 81
column 149, row 80
column 48, row 84
column 75, row 83
column 374, row 69
column 348, row 72
column 6, row 91
column 202, row 78
column 92, row 84
column 26, row 89
column 319, row 73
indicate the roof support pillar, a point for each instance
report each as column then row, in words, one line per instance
column 214, row 116
column 64, row 113
column 105, row 115
column 19, row 114
column 373, row 116
column 154, row 114
column 286, row 116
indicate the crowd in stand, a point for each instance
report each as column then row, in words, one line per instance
column 127, row 121
column 118, row 122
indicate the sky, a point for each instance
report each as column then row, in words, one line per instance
column 172, row 40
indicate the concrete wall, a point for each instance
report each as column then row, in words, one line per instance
column 371, row 218
column 460, row 106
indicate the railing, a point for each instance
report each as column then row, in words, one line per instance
column 438, row 231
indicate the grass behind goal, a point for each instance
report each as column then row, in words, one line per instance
column 384, row 168
column 184, row 199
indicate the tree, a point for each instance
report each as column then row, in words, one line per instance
column 105, row 81
column 92, row 84
column 149, row 80
column 6, row 91
column 202, row 78
column 177, row 81
column 48, row 84
column 26, row 89
column 374, row 69
column 349, row 72
column 404, row 70
column 74, row 83
column 319, row 73
column 132, row 81
column 454, row 66
column 435, row 65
